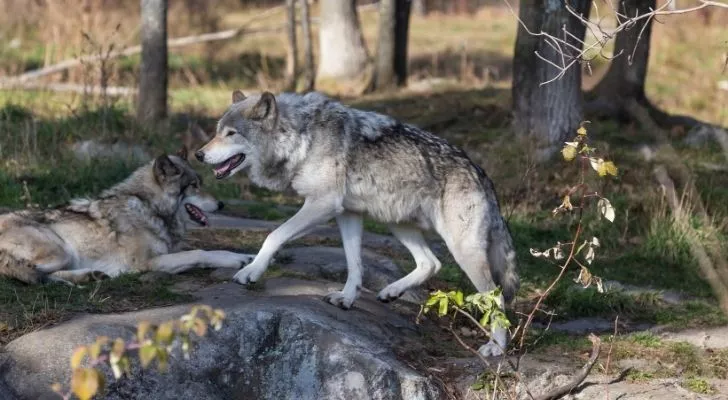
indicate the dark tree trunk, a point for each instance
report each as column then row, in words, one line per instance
column 292, row 48
column 625, row 78
column 152, row 104
column 309, row 74
column 391, row 63
column 342, row 52
column 553, row 111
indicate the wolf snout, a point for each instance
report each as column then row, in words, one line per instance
column 200, row 155
column 220, row 205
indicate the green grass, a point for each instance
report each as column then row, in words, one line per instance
column 26, row 308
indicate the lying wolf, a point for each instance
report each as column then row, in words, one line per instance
column 136, row 225
column 347, row 163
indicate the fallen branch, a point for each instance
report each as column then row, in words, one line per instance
column 561, row 391
column 129, row 51
column 682, row 220
column 711, row 258
column 72, row 87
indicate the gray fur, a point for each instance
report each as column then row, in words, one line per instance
column 345, row 161
column 134, row 226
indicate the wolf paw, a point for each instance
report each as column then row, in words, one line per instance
column 249, row 274
column 244, row 259
column 389, row 293
column 97, row 276
column 339, row 299
column 491, row 349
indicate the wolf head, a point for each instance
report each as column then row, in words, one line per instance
column 240, row 131
column 180, row 182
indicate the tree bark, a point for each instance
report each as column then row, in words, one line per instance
column 343, row 54
column 625, row 78
column 292, row 48
column 420, row 7
column 391, row 62
column 553, row 111
column 309, row 74
column 152, row 103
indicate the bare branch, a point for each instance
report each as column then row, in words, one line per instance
column 601, row 35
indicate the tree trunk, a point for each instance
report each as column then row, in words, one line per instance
column 553, row 111
column 420, row 7
column 391, row 63
column 625, row 78
column 343, row 54
column 152, row 104
column 292, row 49
column 309, row 75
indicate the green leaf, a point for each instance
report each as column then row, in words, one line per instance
column 459, row 298
column 142, row 330
column 442, row 311
column 147, row 354
column 162, row 359
column 165, row 333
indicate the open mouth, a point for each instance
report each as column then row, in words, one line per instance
column 224, row 169
column 196, row 214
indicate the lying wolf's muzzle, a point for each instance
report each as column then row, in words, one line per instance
column 196, row 214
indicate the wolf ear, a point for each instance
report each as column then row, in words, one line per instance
column 266, row 111
column 183, row 153
column 238, row 96
column 164, row 168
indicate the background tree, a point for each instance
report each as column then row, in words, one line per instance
column 625, row 78
column 342, row 52
column 309, row 74
column 292, row 47
column 391, row 62
column 550, row 111
column 152, row 103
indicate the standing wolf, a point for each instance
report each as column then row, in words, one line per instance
column 136, row 225
column 345, row 163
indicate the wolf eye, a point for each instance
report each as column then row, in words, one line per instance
column 230, row 132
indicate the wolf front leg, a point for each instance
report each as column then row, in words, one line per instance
column 351, row 227
column 179, row 262
column 313, row 212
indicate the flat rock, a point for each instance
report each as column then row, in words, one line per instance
column 330, row 263
column 283, row 342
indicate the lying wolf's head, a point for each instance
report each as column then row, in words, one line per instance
column 240, row 132
column 182, row 183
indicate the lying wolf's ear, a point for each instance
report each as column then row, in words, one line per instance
column 238, row 96
column 266, row 111
column 164, row 168
column 183, row 153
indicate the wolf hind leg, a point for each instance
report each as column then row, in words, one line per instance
column 427, row 264
column 468, row 243
column 351, row 227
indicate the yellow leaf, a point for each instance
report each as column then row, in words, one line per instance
column 142, row 330
column 78, row 356
column 569, row 152
column 86, row 382
column 602, row 169
column 118, row 348
column 610, row 168
column 146, row 354
column 165, row 333
column 581, row 131
column 200, row 327
column 94, row 350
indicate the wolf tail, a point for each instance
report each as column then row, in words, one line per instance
column 22, row 270
column 502, row 260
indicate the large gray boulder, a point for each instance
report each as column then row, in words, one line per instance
column 283, row 342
